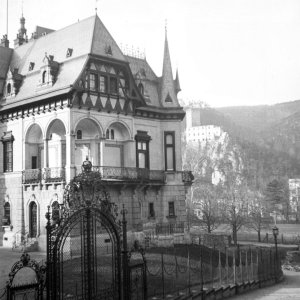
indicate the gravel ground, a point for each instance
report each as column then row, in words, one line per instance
column 286, row 290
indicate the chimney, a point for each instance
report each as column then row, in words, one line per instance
column 4, row 41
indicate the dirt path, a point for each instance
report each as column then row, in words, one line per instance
column 288, row 289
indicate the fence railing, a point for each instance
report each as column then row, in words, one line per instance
column 32, row 176
column 285, row 239
column 128, row 173
column 186, row 267
column 169, row 228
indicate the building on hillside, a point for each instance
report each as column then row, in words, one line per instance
column 195, row 132
column 294, row 194
column 71, row 94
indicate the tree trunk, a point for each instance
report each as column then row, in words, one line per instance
column 234, row 234
column 258, row 234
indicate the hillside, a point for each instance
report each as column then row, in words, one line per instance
column 260, row 117
column 267, row 138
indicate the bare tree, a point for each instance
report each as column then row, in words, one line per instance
column 205, row 199
column 258, row 218
column 235, row 206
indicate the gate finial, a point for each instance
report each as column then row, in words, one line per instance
column 87, row 166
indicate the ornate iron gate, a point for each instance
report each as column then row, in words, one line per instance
column 30, row 283
column 83, row 241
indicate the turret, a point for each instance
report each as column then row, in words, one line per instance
column 21, row 36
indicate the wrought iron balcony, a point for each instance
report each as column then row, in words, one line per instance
column 57, row 174
column 35, row 176
column 31, row 176
column 187, row 177
column 130, row 174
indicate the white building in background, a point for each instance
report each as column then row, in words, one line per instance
column 197, row 133
column 294, row 189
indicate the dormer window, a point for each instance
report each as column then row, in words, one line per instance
column 141, row 88
column 8, row 89
column 69, row 52
column 31, row 66
column 108, row 50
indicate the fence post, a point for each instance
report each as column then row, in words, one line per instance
column 189, row 270
column 241, row 266
column 211, row 267
column 201, row 274
column 220, row 267
column 247, row 271
column 162, row 274
column 234, row 270
column 227, row 266
column 251, row 263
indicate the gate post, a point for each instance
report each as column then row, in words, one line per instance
column 126, row 288
column 48, row 264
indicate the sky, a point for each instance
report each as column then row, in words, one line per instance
column 228, row 52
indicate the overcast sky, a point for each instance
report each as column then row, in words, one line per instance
column 228, row 52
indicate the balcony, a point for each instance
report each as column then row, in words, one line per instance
column 47, row 175
column 129, row 174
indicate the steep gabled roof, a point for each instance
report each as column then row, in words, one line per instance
column 142, row 71
column 5, row 56
column 84, row 38
column 102, row 41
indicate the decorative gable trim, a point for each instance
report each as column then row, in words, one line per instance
column 48, row 71
column 13, row 83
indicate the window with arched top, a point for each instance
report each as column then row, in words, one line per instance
column 107, row 134
column 8, row 89
column 141, row 88
column 44, row 77
column 32, row 219
column 6, row 217
column 112, row 134
column 79, row 135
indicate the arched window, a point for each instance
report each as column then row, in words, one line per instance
column 112, row 134
column 8, row 89
column 107, row 134
column 6, row 219
column 79, row 135
column 141, row 88
column 32, row 219
column 44, row 77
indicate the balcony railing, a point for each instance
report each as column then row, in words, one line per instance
column 187, row 177
column 57, row 174
column 32, row 176
column 130, row 174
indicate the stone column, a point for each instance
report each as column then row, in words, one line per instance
column 70, row 156
column 46, row 151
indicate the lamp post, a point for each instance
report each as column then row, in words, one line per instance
column 275, row 234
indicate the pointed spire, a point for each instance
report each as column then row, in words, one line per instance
column 177, row 83
column 168, row 91
column 21, row 36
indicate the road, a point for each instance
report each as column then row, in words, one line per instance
column 286, row 290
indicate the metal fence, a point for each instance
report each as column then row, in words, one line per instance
column 183, row 268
